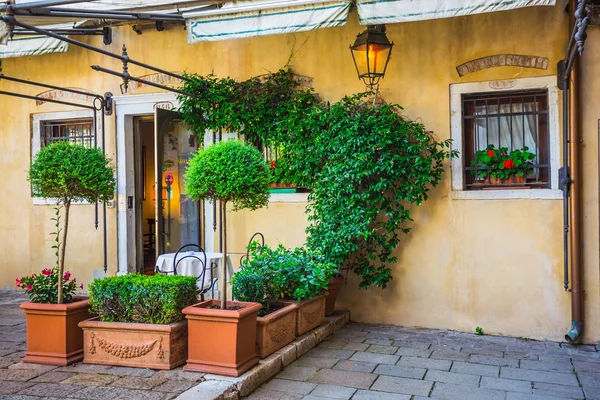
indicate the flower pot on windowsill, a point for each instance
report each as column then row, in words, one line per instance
column 512, row 182
column 278, row 187
column 221, row 342
column 53, row 334
column 276, row 330
column 135, row 345
column 333, row 289
column 311, row 313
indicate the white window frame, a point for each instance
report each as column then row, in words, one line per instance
column 457, row 90
column 36, row 139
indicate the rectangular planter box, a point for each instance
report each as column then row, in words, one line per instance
column 135, row 345
column 221, row 342
column 276, row 330
column 311, row 314
column 53, row 334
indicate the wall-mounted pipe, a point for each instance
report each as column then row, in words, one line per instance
column 575, row 142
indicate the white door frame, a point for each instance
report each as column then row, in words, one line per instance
column 126, row 108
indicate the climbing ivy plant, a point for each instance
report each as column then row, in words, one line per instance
column 365, row 163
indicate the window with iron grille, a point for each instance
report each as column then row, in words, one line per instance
column 506, row 140
column 79, row 131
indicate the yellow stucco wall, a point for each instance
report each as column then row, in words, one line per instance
column 490, row 263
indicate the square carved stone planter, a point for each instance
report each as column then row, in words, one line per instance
column 135, row 345
column 221, row 342
column 311, row 314
column 276, row 330
column 53, row 334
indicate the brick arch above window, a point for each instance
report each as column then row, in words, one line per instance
column 502, row 60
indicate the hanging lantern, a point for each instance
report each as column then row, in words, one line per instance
column 371, row 53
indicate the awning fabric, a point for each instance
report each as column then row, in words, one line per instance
column 259, row 18
column 32, row 46
column 35, row 45
column 373, row 12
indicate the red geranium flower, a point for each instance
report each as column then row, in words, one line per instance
column 67, row 276
column 491, row 153
column 17, row 282
column 46, row 272
column 29, row 288
column 273, row 164
column 81, row 286
column 508, row 164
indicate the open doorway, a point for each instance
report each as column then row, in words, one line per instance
column 166, row 218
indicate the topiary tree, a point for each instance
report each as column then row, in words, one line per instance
column 228, row 172
column 68, row 173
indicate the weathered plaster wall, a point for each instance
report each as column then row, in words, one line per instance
column 490, row 263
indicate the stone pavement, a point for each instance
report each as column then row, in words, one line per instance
column 20, row 381
column 378, row 362
column 361, row 362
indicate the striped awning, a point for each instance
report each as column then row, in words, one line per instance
column 373, row 12
column 245, row 19
column 248, row 18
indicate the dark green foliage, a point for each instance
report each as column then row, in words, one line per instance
column 71, row 172
column 249, row 285
column 296, row 274
column 365, row 165
column 229, row 172
column 156, row 299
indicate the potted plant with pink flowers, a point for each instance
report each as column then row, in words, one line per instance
column 65, row 173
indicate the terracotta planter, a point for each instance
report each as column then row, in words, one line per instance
column 135, row 345
column 53, row 336
column 507, row 181
column 311, row 314
column 221, row 341
column 276, row 330
column 333, row 290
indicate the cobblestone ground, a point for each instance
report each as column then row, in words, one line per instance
column 377, row 362
column 21, row 381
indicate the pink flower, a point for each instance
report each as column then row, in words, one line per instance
column 74, row 281
column 17, row 282
column 33, row 276
column 67, row 276
column 81, row 286
column 46, row 272
column 29, row 288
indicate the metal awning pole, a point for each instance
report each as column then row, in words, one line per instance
column 37, row 4
column 125, row 59
column 58, row 13
column 47, row 86
column 127, row 77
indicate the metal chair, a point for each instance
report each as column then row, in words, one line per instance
column 203, row 263
column 262, row 243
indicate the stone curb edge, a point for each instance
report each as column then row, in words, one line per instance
column 216, row 387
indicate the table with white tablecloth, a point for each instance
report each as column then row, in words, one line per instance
column 189, row 263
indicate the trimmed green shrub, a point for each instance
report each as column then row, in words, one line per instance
column 249, row 285
column 144, row 299
column 297, row 274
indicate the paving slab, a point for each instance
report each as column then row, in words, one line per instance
column 398, row 385
column 447, row 391
column 359, row 380
column 333, row 392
